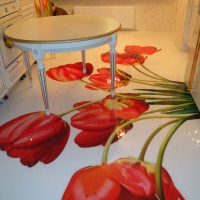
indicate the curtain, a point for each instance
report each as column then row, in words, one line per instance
column 43, row 8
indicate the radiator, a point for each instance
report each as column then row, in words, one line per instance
column 124, row 14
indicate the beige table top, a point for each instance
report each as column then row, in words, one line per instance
column 65, row 28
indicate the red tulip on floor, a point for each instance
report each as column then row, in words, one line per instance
column 121, row 180
column 34, row 137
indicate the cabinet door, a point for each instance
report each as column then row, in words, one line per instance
column 193, row 46
column 194, row 55
column 2, row 84
column 196, row 74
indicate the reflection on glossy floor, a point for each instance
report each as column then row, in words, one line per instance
column 48, row 182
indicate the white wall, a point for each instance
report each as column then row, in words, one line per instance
column 151, row 15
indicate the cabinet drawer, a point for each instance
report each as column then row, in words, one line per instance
column 28, row 16
column 27, row 7
column 16, row 70
column 24, row 2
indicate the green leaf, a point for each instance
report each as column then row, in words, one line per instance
column 172, row 86
column 185, row 110
column 166, row 102
column 164, row 92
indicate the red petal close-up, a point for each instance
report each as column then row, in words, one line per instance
column 124, row 108
column 34, row 137
column 93, row 138
column 132, row 178
column 134, row 49
column 69, row 72
column 124, row 58
column 99, row 137
column 95, row 119
column 91, row 184
column 98, row 122
column 102, row 80
column 127, row 181
column 126, row 195
column 169, row 189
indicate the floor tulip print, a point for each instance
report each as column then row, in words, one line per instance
column 37, row 139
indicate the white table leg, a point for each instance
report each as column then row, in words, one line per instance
column 83, row 61
column 28, row 67
column 113, row 62
column 39, row 57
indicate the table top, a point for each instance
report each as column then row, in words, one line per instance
column 65, row 28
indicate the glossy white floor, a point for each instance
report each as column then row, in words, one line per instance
column 48, row 182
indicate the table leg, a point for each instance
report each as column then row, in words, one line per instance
column 39, row 57
column 28, row 67
column 83, row 61
column 113, row 62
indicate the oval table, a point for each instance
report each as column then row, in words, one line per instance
column 63, row 34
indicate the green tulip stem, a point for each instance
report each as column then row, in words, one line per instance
column 150, row 138
column 114, row 133
column 77, row 108
column 161, row 77
column 154, row 77
column 161, row 154
column 154, row 85
column 151, row 81
column 120, row 95
column 162, row 151
column 169, row 108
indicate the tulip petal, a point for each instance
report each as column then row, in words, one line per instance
column 102, row 80
column 95, row 119
column 93, row 138
column 126, row 195
column 169, row 189
column 45, row 152
column 30, row 129
column 15, row 128
column 150, row 50
column 58, row 146
column 99, row 86
column 34, row 137
column 134, row 49
column 133, row 177
column 69, row 72
column 124, row 58
column 91, row 183
column 124, row 108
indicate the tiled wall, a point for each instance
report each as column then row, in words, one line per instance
column 151, row 15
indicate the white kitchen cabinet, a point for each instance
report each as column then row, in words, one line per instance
column 12, row 63
column 10, row 75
